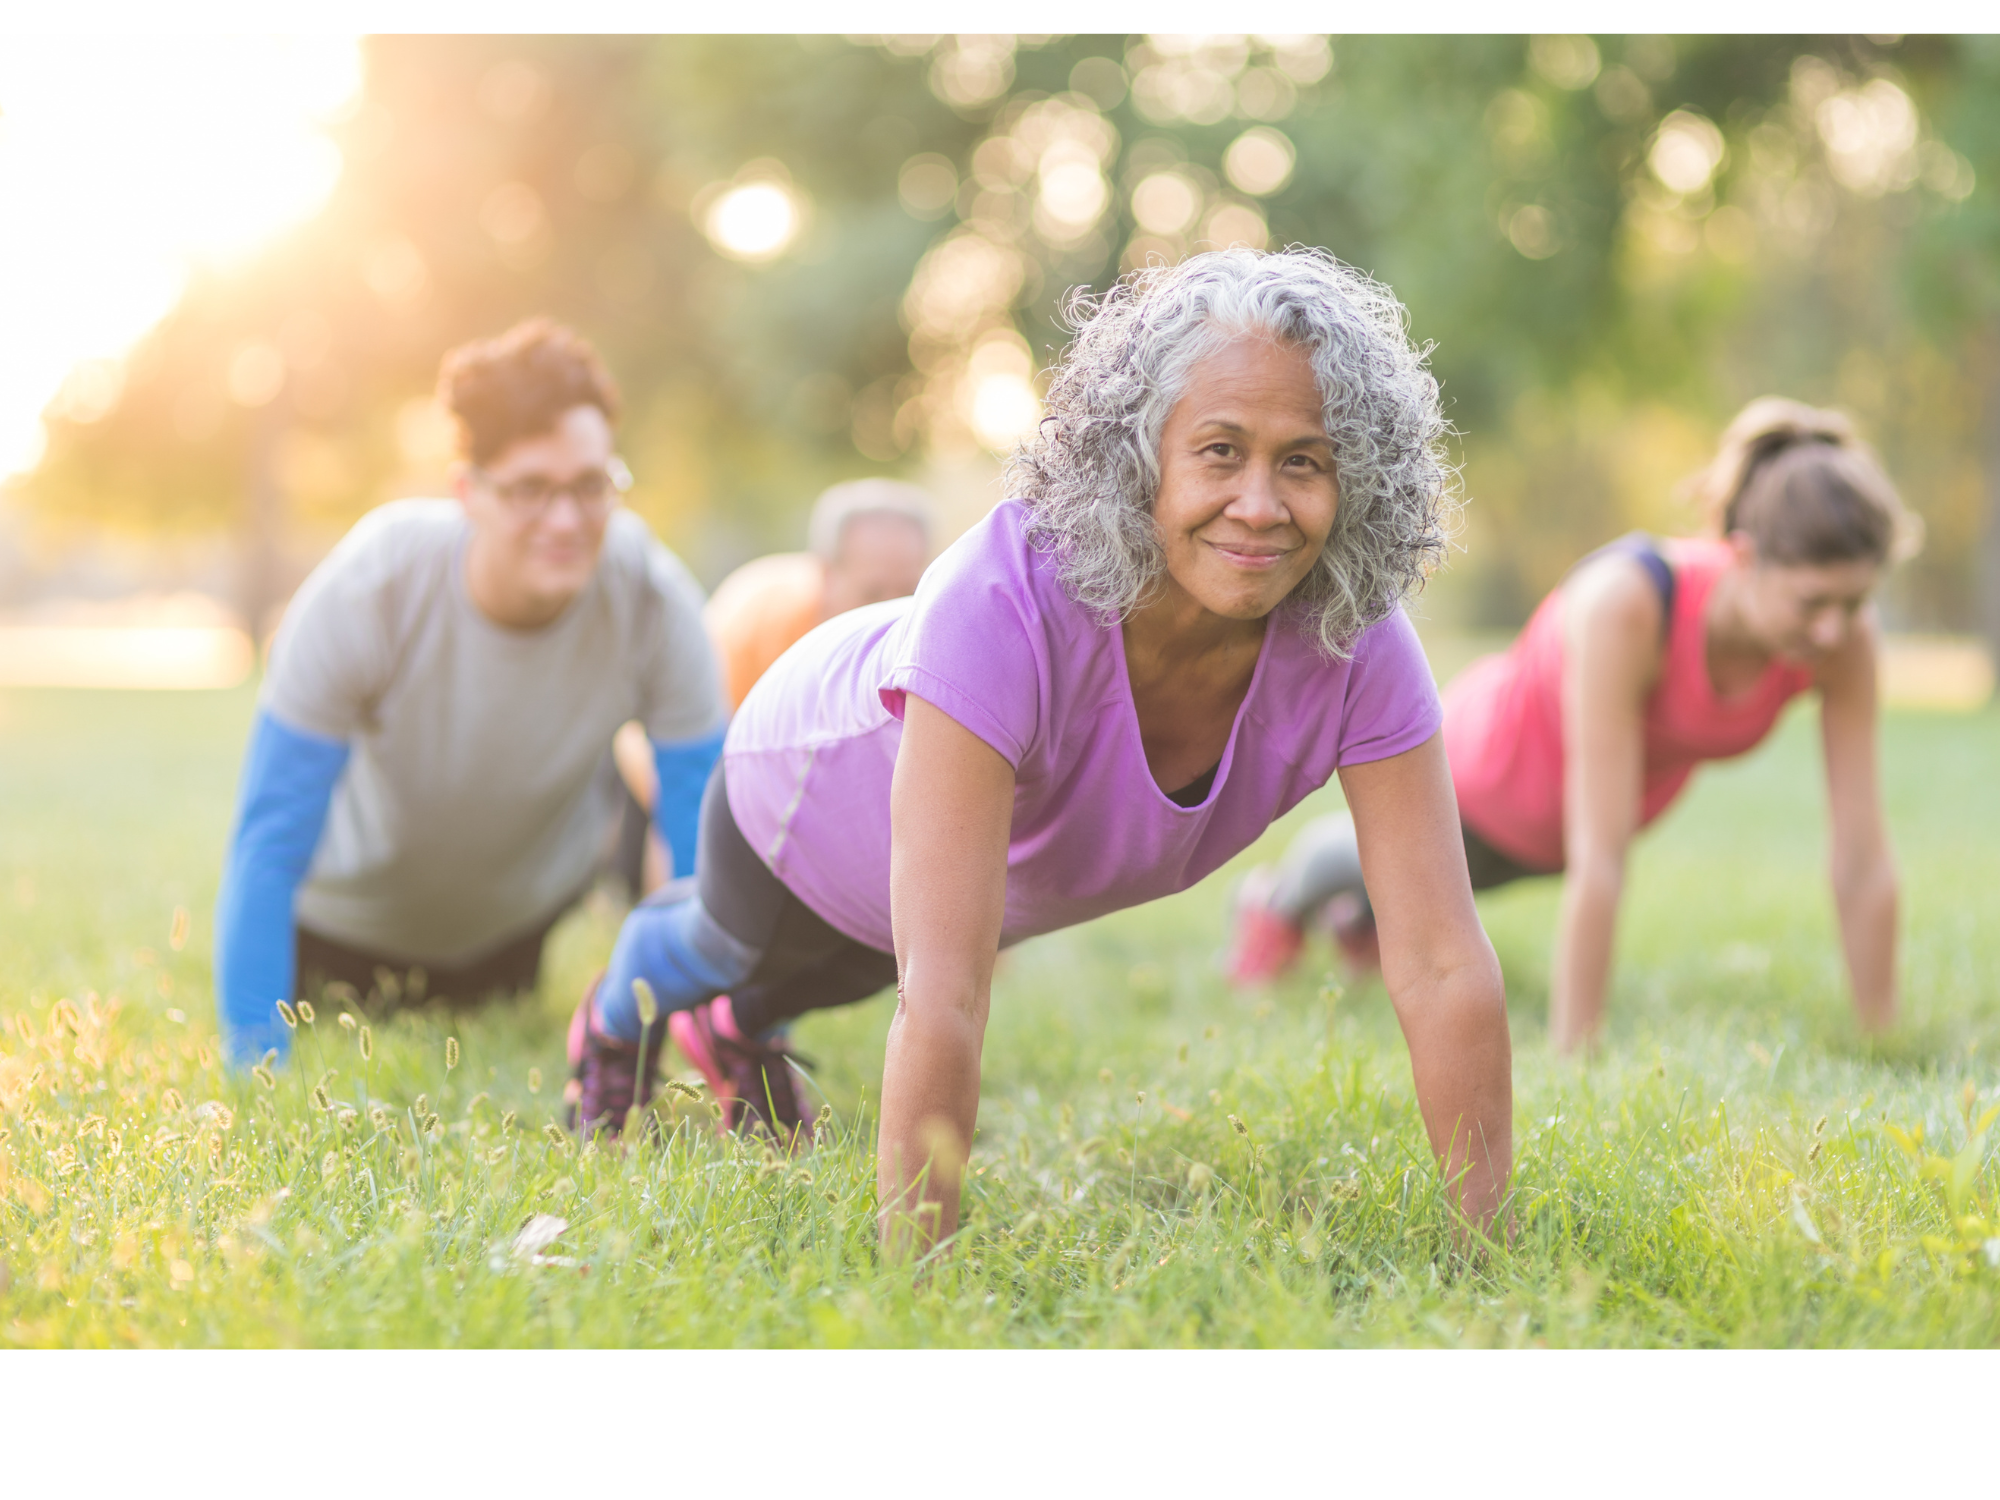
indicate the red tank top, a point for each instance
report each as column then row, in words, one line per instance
column 1503, row 718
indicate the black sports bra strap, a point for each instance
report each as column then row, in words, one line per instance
column 1644, row 549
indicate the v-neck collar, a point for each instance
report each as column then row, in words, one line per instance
column 1130, row 704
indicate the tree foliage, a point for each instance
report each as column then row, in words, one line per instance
column 1612, row 243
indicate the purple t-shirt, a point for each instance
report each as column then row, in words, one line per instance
column 992, row 639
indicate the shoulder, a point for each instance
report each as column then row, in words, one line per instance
column 1612, row 592
column 1850, row 670
column 635, row 564
column 779, row 579
column 389, row 561
column 1388, row 702
column 995, row 557
column 397, row 538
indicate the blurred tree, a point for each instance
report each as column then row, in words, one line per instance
column 1613, row 242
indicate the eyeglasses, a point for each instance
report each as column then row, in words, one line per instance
column 595, row 491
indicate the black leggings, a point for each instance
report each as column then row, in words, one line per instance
column 736, row 928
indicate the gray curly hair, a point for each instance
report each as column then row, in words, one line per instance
column 1090, row 474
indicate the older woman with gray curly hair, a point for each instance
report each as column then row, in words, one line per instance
column 1188, row 619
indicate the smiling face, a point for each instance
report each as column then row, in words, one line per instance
column 532, row 559
column 1248, row 490
column 1801, row 611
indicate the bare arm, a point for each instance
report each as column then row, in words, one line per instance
column 1864, row 874
column 1439, row 967
column 951, row 807
column 1611, row 655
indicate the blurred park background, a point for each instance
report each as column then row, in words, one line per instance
column 233, row 265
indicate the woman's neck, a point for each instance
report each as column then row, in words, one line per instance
column 1189, row 670
column 1174, row 631
column 1736, row 657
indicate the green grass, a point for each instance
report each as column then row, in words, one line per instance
column 1682, row 1189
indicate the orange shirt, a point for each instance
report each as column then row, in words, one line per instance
column 756, row 613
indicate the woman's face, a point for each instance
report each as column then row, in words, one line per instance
column 1802, row 611
column 1248, row 491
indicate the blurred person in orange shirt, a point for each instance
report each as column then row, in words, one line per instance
column 869, row 540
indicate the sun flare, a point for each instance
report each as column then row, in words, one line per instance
column 124, row 163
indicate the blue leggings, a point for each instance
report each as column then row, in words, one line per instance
column 734, row 928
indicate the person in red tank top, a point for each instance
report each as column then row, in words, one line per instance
column 1651, row 658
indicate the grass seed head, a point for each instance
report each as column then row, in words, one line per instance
column 264, row 1076
column 320, row 1099
column 423, row 1106
column 289, row 1016
column 306, row 1011
column 450, row 1053
column 647, row 1001
column 171, row 1102
column 1238, row 1126
column 347, row 1021
column 555, row 1134
column 507, row 1120
column 367, row 1040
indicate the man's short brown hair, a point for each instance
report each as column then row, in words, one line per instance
column 518, row 385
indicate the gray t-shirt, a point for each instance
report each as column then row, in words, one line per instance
column 475, row 802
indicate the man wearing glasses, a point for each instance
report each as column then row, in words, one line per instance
column 427, row 787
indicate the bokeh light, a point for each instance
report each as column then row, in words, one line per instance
column 1259, row 161
column 753, row 221
column 1686, row 152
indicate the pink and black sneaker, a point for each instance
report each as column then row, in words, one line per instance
column 1265, row 945
column 607, row 1076
column 757, row 1083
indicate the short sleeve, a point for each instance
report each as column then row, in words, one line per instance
column 680, row 687
column 330, row 660
column 971, row 645
column 1392, row 700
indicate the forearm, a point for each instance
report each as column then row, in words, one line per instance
column 1865, row 900
column 1585, row 930
column 1455, row 1022
column 288, row 781
column 930, row 1105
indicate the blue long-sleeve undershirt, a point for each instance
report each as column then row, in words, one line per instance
column 288, row 782
column 683, row 767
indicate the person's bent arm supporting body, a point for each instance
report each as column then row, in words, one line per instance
column 1863, row 871
column 288, row 781
column 1611, row 634
column 1440, row 969
column 951, row 807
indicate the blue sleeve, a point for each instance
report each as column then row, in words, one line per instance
column 683, row 767
column 288, row 781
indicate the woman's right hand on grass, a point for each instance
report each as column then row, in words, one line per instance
column 1440, row 969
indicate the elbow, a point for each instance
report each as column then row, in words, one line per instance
column 1866, row 880
column 1457, row 988
column 1595, row 871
